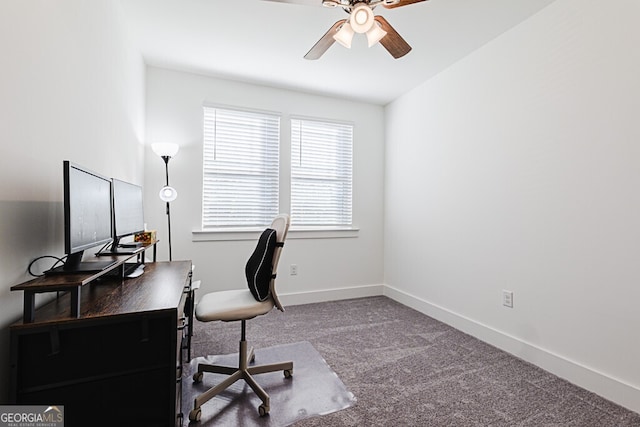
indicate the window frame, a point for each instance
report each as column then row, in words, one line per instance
column 233, row 170
column 250, row 233
column 336, row 179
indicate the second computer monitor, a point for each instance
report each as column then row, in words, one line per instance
column 128, row 213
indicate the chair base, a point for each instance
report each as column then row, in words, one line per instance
column 242, row 372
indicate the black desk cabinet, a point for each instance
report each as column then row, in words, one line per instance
column 120, row 362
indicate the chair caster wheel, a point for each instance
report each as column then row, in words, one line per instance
column 288, row 373
column 197, row 377
column 263, row 410
column 195, row 414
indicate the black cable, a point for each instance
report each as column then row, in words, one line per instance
column 58, row 260
column 106, row 245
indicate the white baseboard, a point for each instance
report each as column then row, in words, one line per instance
column 331, row 294
column 601, row 384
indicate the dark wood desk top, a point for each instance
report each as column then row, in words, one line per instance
column 160, row 287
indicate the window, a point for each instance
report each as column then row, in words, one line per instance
column 321, row 171
column 240, row 168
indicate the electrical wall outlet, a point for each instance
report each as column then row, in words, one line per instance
column 293, row 269
column 507, row 298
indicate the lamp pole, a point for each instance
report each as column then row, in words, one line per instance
column 167, row 194
column 166, row 170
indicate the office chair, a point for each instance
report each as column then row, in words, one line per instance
column 241, row 305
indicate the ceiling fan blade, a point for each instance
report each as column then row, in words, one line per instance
column 401, row 3
column 325, row 42
column 393, row 42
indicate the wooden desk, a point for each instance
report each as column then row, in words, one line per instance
column 120, row 361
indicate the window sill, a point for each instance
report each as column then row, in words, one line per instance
column 229, row 234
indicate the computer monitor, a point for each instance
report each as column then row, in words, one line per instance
column 87, row 217
column 128, row 213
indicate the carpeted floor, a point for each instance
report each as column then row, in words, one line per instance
column 407, row 369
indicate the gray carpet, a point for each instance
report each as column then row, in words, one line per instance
column 313, row 390
column 407, row 369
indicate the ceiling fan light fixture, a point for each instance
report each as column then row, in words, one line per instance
column 344, row 36
column 375, row 34
column 361, row 19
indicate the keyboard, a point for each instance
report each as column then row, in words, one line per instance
column 131, row 245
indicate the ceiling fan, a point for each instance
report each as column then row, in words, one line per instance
column 361, row 20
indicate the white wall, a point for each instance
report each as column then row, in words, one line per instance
column 517, row 168
column 71, row 88
column 353, row 266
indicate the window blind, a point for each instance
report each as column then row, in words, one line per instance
column 321, row 173
column 240, row 168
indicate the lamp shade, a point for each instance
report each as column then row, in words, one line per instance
column 168, row 194
column 361, row 18
column 375, row 34
column 344, row 36
column 165, row 149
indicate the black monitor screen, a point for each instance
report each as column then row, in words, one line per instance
column 87, row 208
column 87, row 218
column 128, row 216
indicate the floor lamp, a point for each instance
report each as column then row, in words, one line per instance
column 167, row 193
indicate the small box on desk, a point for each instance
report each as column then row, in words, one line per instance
column 145, row 237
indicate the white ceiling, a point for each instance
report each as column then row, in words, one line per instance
column 263, row 42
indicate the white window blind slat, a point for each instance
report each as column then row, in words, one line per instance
column 240, row 168
column 321, row 173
